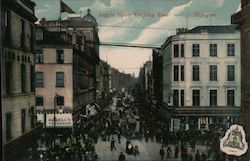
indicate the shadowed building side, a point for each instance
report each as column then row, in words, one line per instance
column 242, row 18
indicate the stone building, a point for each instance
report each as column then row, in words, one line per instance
column 67, row 73
column 148, row 75
column 157, row 76
column 102, row 79
column 242, row 18
column 17, row 70
column 201, row 77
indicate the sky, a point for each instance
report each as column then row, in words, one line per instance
column 146, row 22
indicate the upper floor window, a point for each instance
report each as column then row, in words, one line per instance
column 182, row 50
column 196, row 50
column 8, row 76
column 6, row 19
column 196, row 97
column 213, row 49
column 23, row 120
column 39, row 101
column 32, row 80
column 23, row 78
column 39, row 79
column 230, row 98
column 7, row 34
column 182, row 72
column 176, row 98
column 59, row 79
column 176, row 50
column 230, row 49
column 39, row 56
column 176, row 73
column 59, row 56
column 213, row 72
column 196, row 73
column 8, row 126
column 213, row 97
column 182, row 97
column 60, row 100
column 230, row 73
column 22, row 33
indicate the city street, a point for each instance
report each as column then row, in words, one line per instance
column 118, row 80
column 148, row 151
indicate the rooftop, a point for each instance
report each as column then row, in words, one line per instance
column 213, row 29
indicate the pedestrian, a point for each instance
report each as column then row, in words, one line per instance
column 119, row 137
column 136, row 150
column 112, row 144
column 203, row 156
column 176, row 151
column 161, row 153
column 121, row 157
column 190, row 158
column 168, row 152
column 127, row 143
column 197, row 156
column 184, row 154
column 147, row 135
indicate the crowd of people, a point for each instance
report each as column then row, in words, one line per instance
column 108, row 124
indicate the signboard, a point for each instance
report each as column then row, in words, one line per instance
column 40, row 117
column 234, row 141
column 176, row 124
column 63, row 120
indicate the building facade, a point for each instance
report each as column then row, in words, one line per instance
column 17, row 69
column 102, row 79
column 148, row 74
column 157, row 76
column 242, row 18
column 66, row 77
column 201, row 77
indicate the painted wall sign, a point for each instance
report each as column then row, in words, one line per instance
column 62, row 120
column 234, row 141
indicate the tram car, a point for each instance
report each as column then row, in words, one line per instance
column 133, row 127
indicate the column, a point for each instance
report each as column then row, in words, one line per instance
column 199, row 123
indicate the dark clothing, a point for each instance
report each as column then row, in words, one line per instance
column 168, row 152
column 203, row 156
column 161, row 154
column 121, row 157
column 197, row 157
column 119, row 137
column 176, row 151
column 112, row 145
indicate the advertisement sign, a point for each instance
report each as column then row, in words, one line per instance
column 63, row 120
column 176, row 124
column 40, row 117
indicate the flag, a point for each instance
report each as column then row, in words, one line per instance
column 65, row 8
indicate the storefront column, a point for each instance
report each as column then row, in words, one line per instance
column 186, row 123
column 207, row 123
column 171, row 125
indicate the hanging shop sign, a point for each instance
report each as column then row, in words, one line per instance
column 40, row 117
column 62, row 120
column 234, row 141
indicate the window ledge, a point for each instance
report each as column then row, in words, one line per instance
column 60, row 86
column 40, row 86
